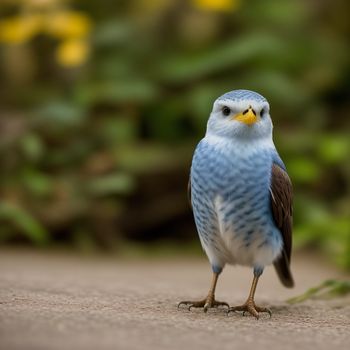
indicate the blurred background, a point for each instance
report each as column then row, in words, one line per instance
column 102, row 104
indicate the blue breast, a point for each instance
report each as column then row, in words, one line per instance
column 241, row 180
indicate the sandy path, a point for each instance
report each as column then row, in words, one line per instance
column 67, row 302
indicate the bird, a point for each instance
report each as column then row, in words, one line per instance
column 241, row 196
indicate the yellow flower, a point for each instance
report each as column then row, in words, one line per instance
column 71, row 53
column 66, row 24
column 17, row 30
column 216, row 5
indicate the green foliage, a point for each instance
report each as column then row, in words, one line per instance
column 327, row 289
column 86, row 135
column 24, row 222
column 109, row 184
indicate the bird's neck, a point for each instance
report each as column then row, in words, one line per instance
column 239, row 145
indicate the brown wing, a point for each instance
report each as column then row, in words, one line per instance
column 281, row 201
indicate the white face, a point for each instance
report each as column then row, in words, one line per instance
column 244, row 119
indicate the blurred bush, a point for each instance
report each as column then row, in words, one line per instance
column 103, row 102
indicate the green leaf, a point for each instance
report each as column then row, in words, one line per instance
column 230, row 54
column 111, row 184
column 36, row 182
column 32, row 146
column 143, row 158
column 26, row 223
column 112, row 32
column 118, row 130
column 129, row 90
column 303, row 170
column 60, row 113
column 327, row 289
column 334, row 148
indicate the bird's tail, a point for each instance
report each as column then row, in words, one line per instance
column 283, row 270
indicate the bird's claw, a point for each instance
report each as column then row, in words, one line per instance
column 206, row 304
column 251, row 308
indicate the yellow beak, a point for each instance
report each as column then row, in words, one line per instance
column 247, row 117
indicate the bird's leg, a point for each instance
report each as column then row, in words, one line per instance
column 249, row 305
column 209, row 301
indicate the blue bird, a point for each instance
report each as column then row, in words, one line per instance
column 241, row 195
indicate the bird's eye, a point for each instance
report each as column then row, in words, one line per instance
column 262, row 112
column 226, row 111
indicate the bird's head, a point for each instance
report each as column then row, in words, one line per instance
column 240, row 114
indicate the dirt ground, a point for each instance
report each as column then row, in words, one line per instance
column 60, row 301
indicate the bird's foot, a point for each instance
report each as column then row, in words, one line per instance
column 206, row 303
column 250, row 307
